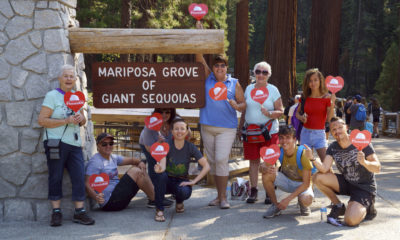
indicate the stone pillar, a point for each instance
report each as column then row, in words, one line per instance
column 33, row 46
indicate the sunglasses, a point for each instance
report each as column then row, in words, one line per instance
column 222, row 65
column 104, row 144
column 264, row 72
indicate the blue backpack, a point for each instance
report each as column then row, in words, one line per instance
column 298, row 159
column 361, row 114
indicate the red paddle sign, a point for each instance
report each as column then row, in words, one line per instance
column 334, row 84
column 159, row 150
column 99, row 182
column 360, row 139
column 154, row 122
column 198, row 11
column 270, row 154
column 74, row 101
column 259, row 94
column 218, row 92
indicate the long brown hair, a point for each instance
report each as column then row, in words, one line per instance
column 306, row 82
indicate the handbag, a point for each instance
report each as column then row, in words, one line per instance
column 54, row 146
column 253, row 133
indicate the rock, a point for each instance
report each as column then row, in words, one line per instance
column 69, row 3
column 5, row 91
column 6, row 9
column 15, row 167
column 18, row 210
column 3, row 39
column 36, row 39
column 18, row 94
column 9, row 144
column 41, row 4
column 55, row 40
column 3, row 21
column 45, row 19
column 54, row 5
column 18, row 50
column 5, row 69
column 56, row 61
column 36, row 63
column 23, row 8
column 36, row 87
column 29, row 140
column 1, row 211
column 18, row 77
column 35, row 187
column 18, row 26
column 43, row 211
column 19, row 114
column 39, row 162
column 7, row 190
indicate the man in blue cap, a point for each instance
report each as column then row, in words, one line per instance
column 358, row 114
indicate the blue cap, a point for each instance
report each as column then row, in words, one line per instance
column 358, row 97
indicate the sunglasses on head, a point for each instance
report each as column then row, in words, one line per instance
column 104, row 144
column 264, row 72
column 222, row 65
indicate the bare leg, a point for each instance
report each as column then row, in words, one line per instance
column 79, row 204
column 321, row 153
column 268, row 183
column 355, row 213
column 305, row 200
column 328, row 184
column 221, row 182
column 253, row 172
column 56, row 204
column 142, row 180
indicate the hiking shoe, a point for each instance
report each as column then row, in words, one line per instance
column 166, row 203
column 56, row 219
column 304, row 211
column 83, row 218
column 371, row 211
column 253, row 195
column 337, row 211
column 272, row 211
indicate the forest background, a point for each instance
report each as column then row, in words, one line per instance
column 367, row 54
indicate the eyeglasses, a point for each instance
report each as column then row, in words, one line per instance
column 104, row 144
column 222, row 65
column 264, row 72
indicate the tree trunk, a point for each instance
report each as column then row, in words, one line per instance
column 126, row 7
column 280, row 45
column 323, row 45
column 242, row 43
column 397, row 103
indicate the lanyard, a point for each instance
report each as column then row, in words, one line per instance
column 60, row 91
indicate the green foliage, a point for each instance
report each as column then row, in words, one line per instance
column 301, row 68
column 387, row 85
column 257, row 30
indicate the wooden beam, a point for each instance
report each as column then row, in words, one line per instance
column 146, row 41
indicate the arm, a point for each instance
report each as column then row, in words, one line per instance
column 306, row 184
column 322, row 167
column 349, row 109
column 331, row 109
column 160, row 166
column 46, row 121
column 240, row 103
column 302, row 118
column 206, row 167
column 199, row 57
column 98, row 197
column 371, row 163
column 277, row 112
column 241, row 123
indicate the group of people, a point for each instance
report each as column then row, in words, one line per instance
column 219, row 128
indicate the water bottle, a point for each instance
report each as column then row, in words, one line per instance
column 324, row 213
column 228, row 189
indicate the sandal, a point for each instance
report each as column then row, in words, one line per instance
column 224, row 204
column 179, row 208
column 214, row 202
column 159, row 217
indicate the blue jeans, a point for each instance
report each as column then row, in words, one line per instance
column 166, row 184
column 150, row 164
column 71, row 157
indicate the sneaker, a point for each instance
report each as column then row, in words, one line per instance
column 272, row 211
column 337, row 211
column 166, row 203
column 371, row 212
column 304, row 211
column 267, row 199
column 83, row 218
column 56, row 219
column 253, row 195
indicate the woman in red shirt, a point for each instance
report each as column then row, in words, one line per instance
column 318, row 108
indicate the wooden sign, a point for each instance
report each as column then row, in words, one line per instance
column 148, row 85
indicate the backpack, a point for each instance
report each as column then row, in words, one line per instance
column 296, row 123
column 241, row 191
column 299, row 153
column 361, row 114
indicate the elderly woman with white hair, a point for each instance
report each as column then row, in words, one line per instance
column 264, row 116
column 61, row 129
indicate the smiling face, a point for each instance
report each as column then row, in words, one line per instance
column 219, row 69
column 314, row 82
column 67, row 80
column 105, row 147
column 262, row 75
column 287, row 142
column 180, row 130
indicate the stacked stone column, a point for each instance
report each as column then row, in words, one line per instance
column 33, row 46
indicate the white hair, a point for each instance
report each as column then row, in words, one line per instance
column 264, row 65
column 65, row 68
column 298, row 96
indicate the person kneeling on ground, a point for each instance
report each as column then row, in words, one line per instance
column 172, row 171
column 119, row 192
column 356, row 178
column 291, row 178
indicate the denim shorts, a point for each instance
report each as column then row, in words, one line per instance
column 288, row 185
column 313, row 138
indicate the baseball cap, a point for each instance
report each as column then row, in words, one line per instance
column 103, row 136
column 358, row 97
